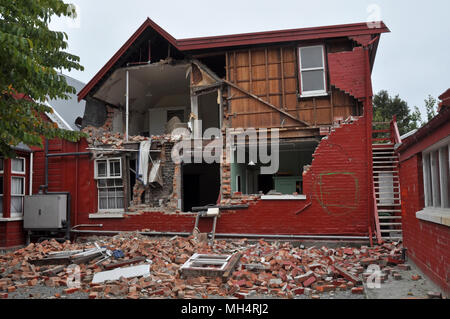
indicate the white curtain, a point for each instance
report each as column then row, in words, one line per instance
column 17, row 186
column 17, row 165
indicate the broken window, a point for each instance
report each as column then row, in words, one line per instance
column 108, row 173
column 312, row 71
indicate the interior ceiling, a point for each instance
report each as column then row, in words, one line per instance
column 147, row 85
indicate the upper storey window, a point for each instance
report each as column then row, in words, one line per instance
column 312, row 71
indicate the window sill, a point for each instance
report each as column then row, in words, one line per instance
column 439, row 216
column 283, row 197
column 11, row 219
column 106, row 215
column 313, row 95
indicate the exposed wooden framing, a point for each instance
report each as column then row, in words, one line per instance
column 283, row 96
column 315, row 111
column 235, row 68
column 261, row 80
column 269, row 63
column 250, row 69
column 267, row 75
column 267, row 103
column 227, row 66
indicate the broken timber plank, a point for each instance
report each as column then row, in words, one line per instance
column 348, row 276
column 230, row 267
column 266, row 103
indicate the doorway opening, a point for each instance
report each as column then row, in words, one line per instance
column 201, row 185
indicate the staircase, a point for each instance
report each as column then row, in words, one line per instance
column 386, row 182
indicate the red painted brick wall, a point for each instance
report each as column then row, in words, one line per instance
column 11, row 234
column 336, row 186
column 347, row 72
column 428, row 243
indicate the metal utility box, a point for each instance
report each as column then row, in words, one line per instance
column 45, row 212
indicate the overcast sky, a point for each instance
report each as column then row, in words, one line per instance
column 412, row 61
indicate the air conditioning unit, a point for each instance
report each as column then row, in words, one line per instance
column 45, row 212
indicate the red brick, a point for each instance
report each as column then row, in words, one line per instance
column 358, row 290
column 308, row 282
column 69, row 291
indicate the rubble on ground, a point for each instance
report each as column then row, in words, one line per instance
column 276, row 269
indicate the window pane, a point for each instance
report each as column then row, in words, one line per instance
column 114, row 168
column 311, row 57
column 16, row 205
column 17, row 187
column 313, row 81
column 1, row 164
column 120, row 202
column 1, row 205
column 101, row 168
column 1, row 185
column 103, row 203
column 18, row 165
column 102, row 183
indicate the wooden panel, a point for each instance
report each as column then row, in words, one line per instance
column 271, row 74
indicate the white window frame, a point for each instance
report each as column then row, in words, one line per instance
column 15, row 214
column 108, row 173
column 301, row 69
column 110, row 210
column 108, row 177
column 24, row 166
column 436, row 183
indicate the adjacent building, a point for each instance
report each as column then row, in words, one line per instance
column 424, row 177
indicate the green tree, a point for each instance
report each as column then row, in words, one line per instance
column 430, row 106
column 30, row 55
column 385, row 107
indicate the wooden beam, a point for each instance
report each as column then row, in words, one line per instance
column 283, row 96
column 267, row 75
column 266, row 103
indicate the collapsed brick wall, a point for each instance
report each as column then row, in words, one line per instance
column 347, row 72
column 428, row 243
column 156, row 194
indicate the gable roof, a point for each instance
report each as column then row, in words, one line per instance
column 202, row 43
column 65, row 112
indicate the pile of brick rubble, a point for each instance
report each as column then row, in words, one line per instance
column 275, row 269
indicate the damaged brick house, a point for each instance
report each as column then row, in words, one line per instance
column 313, row 85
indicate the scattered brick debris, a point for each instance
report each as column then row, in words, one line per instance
column 276, row 269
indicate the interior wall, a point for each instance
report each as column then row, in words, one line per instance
column 208, row 111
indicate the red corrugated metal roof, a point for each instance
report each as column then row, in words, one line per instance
column 224, row 41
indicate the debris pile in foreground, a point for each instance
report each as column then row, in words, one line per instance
column 275, row 269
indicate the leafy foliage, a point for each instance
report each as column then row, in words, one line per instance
column 30, row 55
column 385, row 107
column 430, row 106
